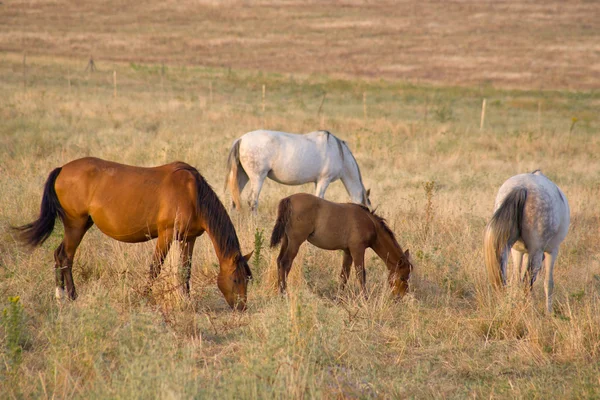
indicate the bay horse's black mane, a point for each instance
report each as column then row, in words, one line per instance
column 210, row 207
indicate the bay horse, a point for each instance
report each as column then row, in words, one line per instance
column 292, row 159
column 334, row 226
column 134, row 204
column 531, row 218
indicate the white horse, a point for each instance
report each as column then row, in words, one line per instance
column 292, row 159
column 531, row 218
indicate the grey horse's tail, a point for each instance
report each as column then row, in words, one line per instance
column 283, row 217
column 234, row 167
column 503, row 230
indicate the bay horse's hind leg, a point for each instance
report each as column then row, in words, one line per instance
column 65, row 253
column 549, row 260
column 345, row 274
column 185, row 271
column 59, row 257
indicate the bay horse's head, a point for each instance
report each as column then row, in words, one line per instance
column 398, row 279
column 233, row 280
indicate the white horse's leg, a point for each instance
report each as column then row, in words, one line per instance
column 517, row 257
column 256, row 184
column 322, row 187
column 549, row 281
column 534, row 266
column 524, row 267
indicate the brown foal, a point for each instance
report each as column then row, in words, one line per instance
column 333, row 226
column 135, row 204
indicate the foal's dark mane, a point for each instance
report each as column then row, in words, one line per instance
column 382, row 222
column 210, row 207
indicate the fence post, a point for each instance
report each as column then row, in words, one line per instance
column 115, row 83
column 482, row 115
column 365, row 104
column 24, row 71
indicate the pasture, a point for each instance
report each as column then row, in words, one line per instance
column 433, row 172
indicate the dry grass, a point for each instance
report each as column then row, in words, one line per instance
column 534, row 44
column 450, row 338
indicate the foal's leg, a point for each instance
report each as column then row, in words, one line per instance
column 549, row 280
column 281, row 275
column 346, row 264
column 289, row 250
column 358, row 255
column 74, row 232
column 185, row 271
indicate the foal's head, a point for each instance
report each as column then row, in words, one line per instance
column 233, row 280
column 398, row 279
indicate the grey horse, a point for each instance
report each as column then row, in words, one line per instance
column 531, row 218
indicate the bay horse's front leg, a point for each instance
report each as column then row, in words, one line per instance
column 358, row 256
column 185, row 270
column 345, row 274
column 163, row 244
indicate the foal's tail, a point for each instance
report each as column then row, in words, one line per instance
column 503, row 230
column 234, row 167
column 36, row 232
column 283, row 217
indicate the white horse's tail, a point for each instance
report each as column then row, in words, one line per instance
column 234, row 166
column 503, row 230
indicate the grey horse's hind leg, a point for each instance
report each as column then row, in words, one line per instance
column 549, row 260
column 517, row 257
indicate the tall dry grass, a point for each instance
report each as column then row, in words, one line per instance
column 451, row 337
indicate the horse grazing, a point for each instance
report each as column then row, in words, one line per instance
column 333, row 226
column 292, row 159
column 531, row 218
column 134, row 204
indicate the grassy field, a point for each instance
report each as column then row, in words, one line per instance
column 450, row 338
column 417, row 128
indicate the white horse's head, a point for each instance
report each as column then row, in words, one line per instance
column 366, row 200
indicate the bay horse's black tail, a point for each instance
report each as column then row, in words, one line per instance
column 283, row 216
column 36, row 232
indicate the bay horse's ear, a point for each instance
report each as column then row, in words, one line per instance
column 247, row 256
column 407, row 253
